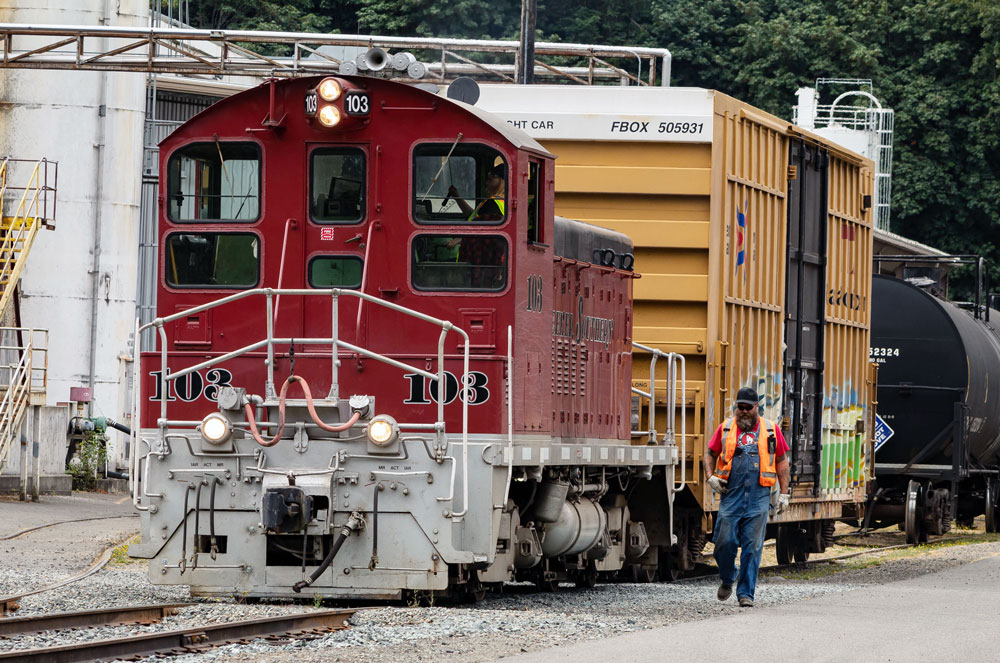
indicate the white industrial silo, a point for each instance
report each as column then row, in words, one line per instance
column 80, row 280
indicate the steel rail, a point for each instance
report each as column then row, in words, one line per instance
column 835, row 558
column 185, row 639
column 10, row 603
column 8, row 537
column 55, row 621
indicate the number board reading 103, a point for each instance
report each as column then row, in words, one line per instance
column 357, row 103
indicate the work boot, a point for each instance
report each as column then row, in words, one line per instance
column 746, row 602
column 725, row 591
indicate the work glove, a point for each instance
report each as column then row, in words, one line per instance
column 782, row 503
column 718, row 485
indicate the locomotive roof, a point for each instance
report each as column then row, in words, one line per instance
column 517, row 137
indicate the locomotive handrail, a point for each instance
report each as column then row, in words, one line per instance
column 335, row 343
column 674, row 359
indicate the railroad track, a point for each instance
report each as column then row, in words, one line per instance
column 173, row 642
column 15, row 535
column 9, row 604
column 824, row 560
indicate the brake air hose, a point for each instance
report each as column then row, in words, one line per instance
column 214, row 548
column 197, row 513
column 333, row 428
column 345, row 531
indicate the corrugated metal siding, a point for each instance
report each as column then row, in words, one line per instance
column 680, row 203
column 846, row 442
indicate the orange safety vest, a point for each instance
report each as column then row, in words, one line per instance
column 765, row 447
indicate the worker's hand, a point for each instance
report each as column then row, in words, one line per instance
column 718, row 485
column 452, row 192
column 782, row 503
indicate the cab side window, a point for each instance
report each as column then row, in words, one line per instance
column 217, row 181
column 457, row 184
column 337, row 185
column 459, row 262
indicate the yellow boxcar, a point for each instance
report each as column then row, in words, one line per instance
column 753, row 238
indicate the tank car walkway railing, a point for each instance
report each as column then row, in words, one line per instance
column 181, row 50
column 336, row 344
column 23, row 381
column 676, row 363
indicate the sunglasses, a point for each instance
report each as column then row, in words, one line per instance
column 743, row 407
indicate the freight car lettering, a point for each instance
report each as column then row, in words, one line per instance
column 849, row 299
column 192, row 386
column 582, row 327
column 630, row 127
column 534, row 124
column 680, row 127
column 475, row 390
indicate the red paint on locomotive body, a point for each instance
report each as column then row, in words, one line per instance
column 571, row 320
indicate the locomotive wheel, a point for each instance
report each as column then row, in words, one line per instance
column 914, row 523
column 475, row 591
column 643, row 574
column 992, row 524
column 670, row 563
column 587, row 578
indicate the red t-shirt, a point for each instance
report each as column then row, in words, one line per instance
column 780, row 446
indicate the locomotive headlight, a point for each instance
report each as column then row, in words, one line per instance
column 329, row 116
column 329, row 89
column 383, row 430
column 215, row 428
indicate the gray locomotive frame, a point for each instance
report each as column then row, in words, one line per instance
column 429, row 510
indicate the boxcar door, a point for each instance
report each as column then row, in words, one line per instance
column 805, row 303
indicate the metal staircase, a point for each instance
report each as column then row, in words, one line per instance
column 24, row 209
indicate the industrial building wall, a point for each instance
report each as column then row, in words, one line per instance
column 80, row 279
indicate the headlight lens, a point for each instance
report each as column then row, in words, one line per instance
column 329, row 90
column 383, row 430
column 329, row 116
column 215, row 428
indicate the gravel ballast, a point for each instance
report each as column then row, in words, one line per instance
column 522, row 619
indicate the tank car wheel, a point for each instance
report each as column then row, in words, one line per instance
column 547, row 585
column 643, row 574
column 914, row 522
column 992, row 515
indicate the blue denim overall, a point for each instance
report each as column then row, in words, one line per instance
column 742, row 520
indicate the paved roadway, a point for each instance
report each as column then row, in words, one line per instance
column 946, row 616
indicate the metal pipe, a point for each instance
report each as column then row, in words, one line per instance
column 510, row 414
column 95, row 269
column 465, row 429
column 184, row 529
column 214, row 549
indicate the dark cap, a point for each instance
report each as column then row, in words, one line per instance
column 500, row 170
column 747, row 396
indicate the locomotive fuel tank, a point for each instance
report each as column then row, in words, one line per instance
column 932, row 354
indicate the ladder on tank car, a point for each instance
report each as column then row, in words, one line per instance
column 27, row 204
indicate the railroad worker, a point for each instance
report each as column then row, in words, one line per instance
column 746, row 457
column 492, row 207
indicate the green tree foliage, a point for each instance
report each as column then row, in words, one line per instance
column 934, row 61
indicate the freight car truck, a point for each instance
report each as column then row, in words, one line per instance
column 754, row 241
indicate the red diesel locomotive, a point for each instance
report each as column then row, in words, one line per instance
column 476, row 410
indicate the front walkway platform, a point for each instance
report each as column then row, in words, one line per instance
column 947, row 616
